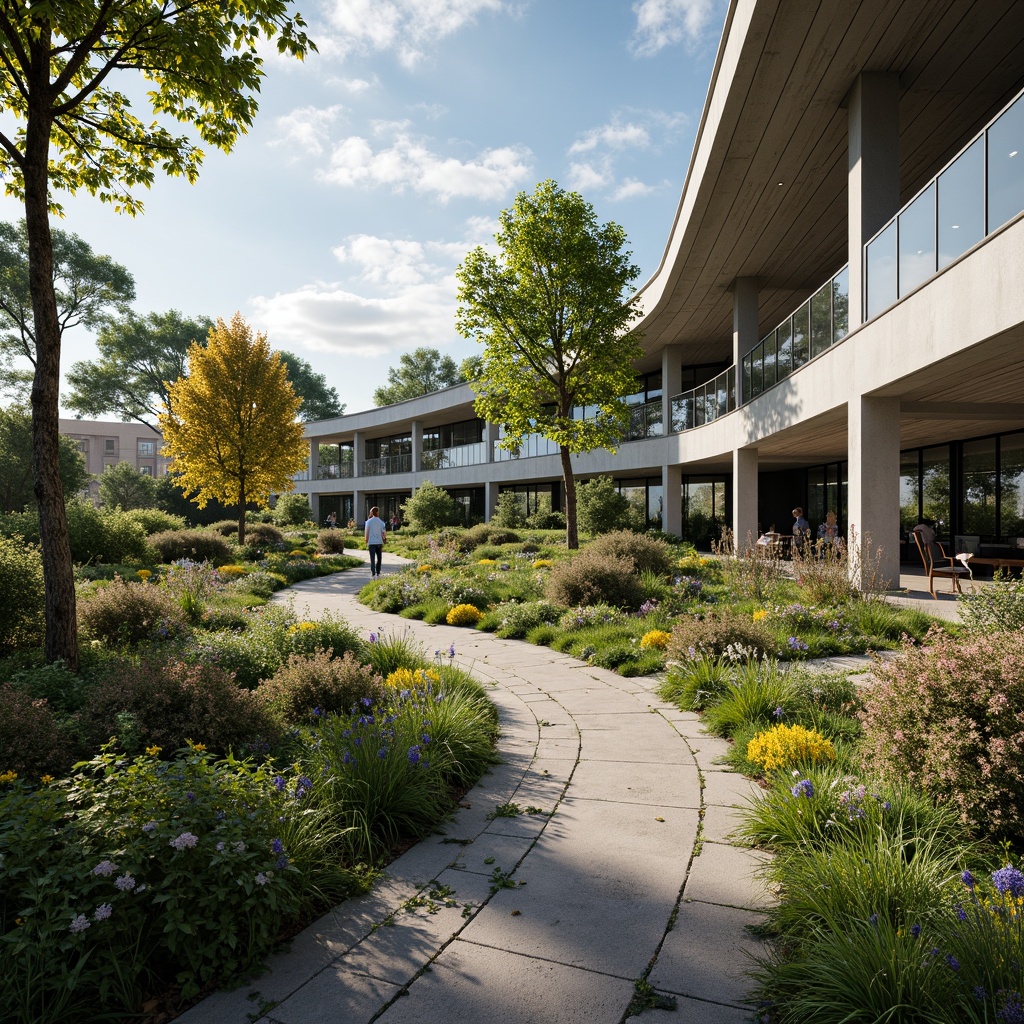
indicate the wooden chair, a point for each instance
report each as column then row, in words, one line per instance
column 952, row 571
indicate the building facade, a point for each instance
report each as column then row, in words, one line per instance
column 838, row 319
column 104, row 444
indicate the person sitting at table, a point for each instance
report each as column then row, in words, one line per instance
column 828, row 532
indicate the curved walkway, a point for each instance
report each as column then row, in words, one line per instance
column 538, row 918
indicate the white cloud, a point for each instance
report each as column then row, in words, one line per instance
column 408, row 163
column 585, row 177
column 401, row 293
column 355, row 85
column 406, row 27
column 661, row 23
column 614, row 135
column 631, row 188
column 306, row 128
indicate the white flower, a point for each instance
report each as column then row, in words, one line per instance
column 186, row 841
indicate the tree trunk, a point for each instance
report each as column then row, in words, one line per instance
column 58, row 571
column 241, row 514
column 572, row 535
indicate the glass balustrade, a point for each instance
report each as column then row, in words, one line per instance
column 705, row 403
column 452, row 458
column 645, row 421
column 386, row 465
column 974, row 195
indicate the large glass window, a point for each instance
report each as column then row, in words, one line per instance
column 704, row 511
column 841, row 304
column 769, row 361
column 979, row 487
column 785, row 342
column 910, row 490
column 1006, row 166
column 962, row 204
column 821, row 321
column 917, row 241
column 801, row 335
column 935, row 488
column 1011, row 485
column 881, row 271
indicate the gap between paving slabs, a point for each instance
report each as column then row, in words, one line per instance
column 439, row 934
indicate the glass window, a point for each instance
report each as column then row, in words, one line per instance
column 801, row 342
column 881, row 271
column 1006, row 166
column 747, row 377
column 816, row 495
column 769, row 361
column 917, row 241
column 910, row 492
column 147, row 449
column 821, row 321
column 979, row 488
column 654, row 506
column 840, row 304
column 109, row 446
column 784, row 340
column 1011, row 485
column 962, row 203
column 146, row 470
column 757, row 373
column 935, row 489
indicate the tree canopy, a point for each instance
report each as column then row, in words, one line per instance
column 59, row 61
column 139, row 355
column 553, row 313
column 125, row 486
column 89, row 288
column 16, row 461
column 319, row 400
column 418, row 373
column 230, row 428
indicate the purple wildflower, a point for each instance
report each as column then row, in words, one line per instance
column 125, row 882
column 277, row 846
column 803, row 788
column 105, row 868
column 1009, row 880
column 79, row 924
column 103, row 911
column 186, row 841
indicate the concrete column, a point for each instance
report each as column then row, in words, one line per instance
column 490, row 438
column 671, row 382
column 314, row 505
column 746, row 328
column 873, row 496
column 672, row 499
column 873, row 193
column 744, row 499
column 358, row 455
column 314, row 459
column 358, row 512
column 417, row 445
column 490, row 499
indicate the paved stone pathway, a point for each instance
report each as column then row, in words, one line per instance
column 630, row 865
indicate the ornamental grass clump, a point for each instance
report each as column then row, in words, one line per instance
column 199, row 545
column 516, row 620
column 648, row 554
column 946, row 718
column 712, row 634
column 783, row 746
column 310, row 685
column 130, row 613
column 464, row 615
column 591, row 578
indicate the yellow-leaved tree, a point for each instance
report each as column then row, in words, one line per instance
column 230, row 426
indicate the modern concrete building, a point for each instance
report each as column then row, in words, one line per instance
column 106, row 444
column 838, row 319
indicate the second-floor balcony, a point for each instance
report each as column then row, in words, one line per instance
column 455, row 456
column 386, row 465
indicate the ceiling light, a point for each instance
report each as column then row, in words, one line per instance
column 956, row 227
column 1014, row 153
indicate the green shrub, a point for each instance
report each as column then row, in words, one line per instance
column 225, row 527
column 168, row 703
column 292, row 510
column 546, row 519
column 589, row 579
column 431, row 507
column 947, row 718
column 264, row 535
column 330, row 542
column 322, row 634
column 715, row 633
column 104, row 535
column 250, row 656
column 600, row 507
column 647, row 553
column 21, row 595
column 259, row 583
column 510, row 511
column 198, row 545
column 485, row 533
column 307, row 686
column 697, row 683
column 516, row 620
column 154, row 520
column 31, row 742
column 130, row 613
column 997, row 608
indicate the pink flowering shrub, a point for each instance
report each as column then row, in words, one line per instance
column 948, row 718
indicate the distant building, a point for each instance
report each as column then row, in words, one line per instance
column 104, row 444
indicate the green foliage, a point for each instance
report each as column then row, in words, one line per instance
column 516, row 620
column 485, row 533
column 647, row 553
column 311, row 685
column 546, row 519
column 590, row 579
column 601, row 507
column 319, row 399
column 130, row 613
column 326, row 633
column 715, row 633
column 16, row 460
column 510, row 511
column 166, row 703
column 153, row 520
column 431, row 507
column 104, row 535
column 391, row 651
column 292, row 510
column 999, row 607
column 199, row 545
column 418, row 373
column 330, row 542
column 259, row 583
column 30, row 737
column 21, row 594
column 264, row 535
column 124, row 486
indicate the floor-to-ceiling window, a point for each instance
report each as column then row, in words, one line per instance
column 705, row 514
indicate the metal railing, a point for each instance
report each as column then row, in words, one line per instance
column 386, row 465
column 705, row 403
column 645, row 421
column 457, row 455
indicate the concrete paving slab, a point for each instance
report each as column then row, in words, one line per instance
column 706, row 954
column 709, row 752
column 696, row 1011
column 335, row 996
column 728, row 789
column 490, row 851
column 666, row 785
column 727, row 875
column 472, row 984
column 719, row 823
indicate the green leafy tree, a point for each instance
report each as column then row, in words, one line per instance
column 60, row 60
column 88, row 289
column 125, row 486
column 432, row 507
column 230, row 427
column 510, row 511
column 552, row 310
column 601, row 507
column 418, row 373
column 292, row 510
column 319, row 401
column 16, row 461
column 139, row 355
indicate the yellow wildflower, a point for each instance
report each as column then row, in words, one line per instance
column 464, row 615
column 153, row 750
column 759, row 615
column 46, row 779
column 143, row 574
column 785, row 745
column 542, row 563
column 8, row 776
column 655, row 638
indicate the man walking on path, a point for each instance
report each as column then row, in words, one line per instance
column 375, row 534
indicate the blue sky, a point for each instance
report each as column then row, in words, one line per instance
column 336, row 225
